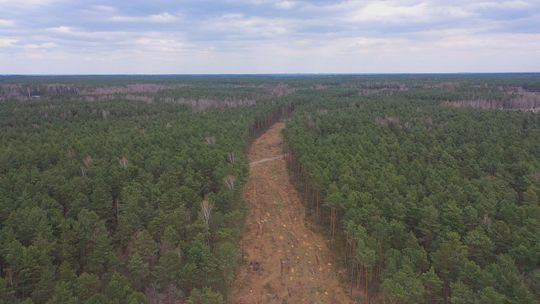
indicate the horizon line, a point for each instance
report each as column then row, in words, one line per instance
column 269, row 74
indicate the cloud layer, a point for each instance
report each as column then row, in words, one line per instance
column 264, row 36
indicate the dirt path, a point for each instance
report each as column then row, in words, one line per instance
column 284, row 261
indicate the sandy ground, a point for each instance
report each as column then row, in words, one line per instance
column 283, row 260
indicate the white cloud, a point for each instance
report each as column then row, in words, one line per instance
column 287, row 4
column 7, row 42
column 517, row 4
column 157, row 42
column 27, row 4
column 371, row 42
column 108, row 42
column 272, row 36
column 376, row 12
column 6, row 22
column 390, row 12
column 340, row 55
column 280, row 4
column 104, row 8
column 62, row 29
column 163, row 17
column 41, row 46
column 514, row 42
column 239, row 25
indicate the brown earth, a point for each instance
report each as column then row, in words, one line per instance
column 284, row 261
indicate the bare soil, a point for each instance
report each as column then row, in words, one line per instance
column 284, row 261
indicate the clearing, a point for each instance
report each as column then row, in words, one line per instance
column 284, row 261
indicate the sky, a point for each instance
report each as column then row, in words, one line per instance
column 264, row 36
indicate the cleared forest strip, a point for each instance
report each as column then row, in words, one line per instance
column 283, row 260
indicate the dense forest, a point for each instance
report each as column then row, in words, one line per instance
column 126, row 189
column 434, row 204
column 121, row 201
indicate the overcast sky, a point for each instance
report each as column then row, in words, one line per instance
column 264, row 36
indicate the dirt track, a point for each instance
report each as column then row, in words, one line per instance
column 284, row 261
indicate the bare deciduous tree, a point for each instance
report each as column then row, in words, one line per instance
column 123, row 162
column 86, row 163
column 231, row 157
column 229, row 181
column 206, row 210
